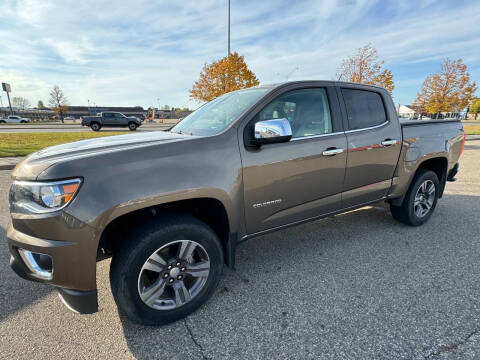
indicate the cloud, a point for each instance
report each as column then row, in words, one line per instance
column 135, row 52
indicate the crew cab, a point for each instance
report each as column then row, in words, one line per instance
column 111, row 119
column 14, row 119
column 170, row 208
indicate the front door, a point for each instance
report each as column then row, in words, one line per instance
column 374, row 143
column 288, row 182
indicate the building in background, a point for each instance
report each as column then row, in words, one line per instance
column 76, row 112
column 405, row 111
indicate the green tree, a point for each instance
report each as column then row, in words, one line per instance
column 40, row 105
column 474, row 107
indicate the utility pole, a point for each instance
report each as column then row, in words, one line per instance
column 228, row 27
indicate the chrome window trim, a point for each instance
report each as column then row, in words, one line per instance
column 316, row 136
column 368, row 128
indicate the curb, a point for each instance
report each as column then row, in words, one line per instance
column 9, row 163
column 7, row 167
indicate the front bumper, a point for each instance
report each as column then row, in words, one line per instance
column 73, row 263
column 82, row 302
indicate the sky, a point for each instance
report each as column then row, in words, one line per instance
column 149, row 53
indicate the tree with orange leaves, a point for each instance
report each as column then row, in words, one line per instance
column 449, row 90
column 230, row 73
column 365, row 68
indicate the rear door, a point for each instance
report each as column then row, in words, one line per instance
column 374, row 143
column 108, row 118
column 289, row 182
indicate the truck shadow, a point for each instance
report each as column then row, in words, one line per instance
column 314, row 283
column 15, row 292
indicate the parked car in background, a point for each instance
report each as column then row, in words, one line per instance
column 14, row 119
column 69, row 118
column 111, row 119
column 171, row 207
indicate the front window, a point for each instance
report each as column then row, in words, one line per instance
column 307, row 110
column 214, row 117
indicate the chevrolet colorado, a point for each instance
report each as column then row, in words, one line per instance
column 171, row 207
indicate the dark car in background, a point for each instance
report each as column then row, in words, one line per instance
column 111, row 119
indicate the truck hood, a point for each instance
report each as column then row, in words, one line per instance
column 37, row 162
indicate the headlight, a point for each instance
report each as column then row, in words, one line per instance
column 42, row 197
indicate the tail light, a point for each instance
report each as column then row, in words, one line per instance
column 463, row 143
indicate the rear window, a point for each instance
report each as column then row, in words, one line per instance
column 364, row 108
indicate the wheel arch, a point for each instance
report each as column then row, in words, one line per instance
column 437, row 164
column 209, row 210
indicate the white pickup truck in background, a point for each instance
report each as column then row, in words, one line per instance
column 14, row 119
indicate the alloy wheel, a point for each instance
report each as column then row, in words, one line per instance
column 173, row 275
column 424, row 199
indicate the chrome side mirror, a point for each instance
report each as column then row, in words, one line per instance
column 272, row 131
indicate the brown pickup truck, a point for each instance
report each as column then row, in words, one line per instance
column 171, row 207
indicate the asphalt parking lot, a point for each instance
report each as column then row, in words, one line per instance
column 354, row 286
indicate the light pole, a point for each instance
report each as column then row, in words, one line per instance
column 228, row 27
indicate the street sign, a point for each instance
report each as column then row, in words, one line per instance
column 6, row 87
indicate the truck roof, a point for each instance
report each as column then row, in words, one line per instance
column 326, row 82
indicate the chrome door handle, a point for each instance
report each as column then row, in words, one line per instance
column 389, row 142
column 332, row 152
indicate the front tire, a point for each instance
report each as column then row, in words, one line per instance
column 420, row 200
column 132, row 126
column 166, row 269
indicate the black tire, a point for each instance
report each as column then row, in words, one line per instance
column 3, row 122
column 127, row 263
column 406, row 212
column 132, row 126
column 95, row 126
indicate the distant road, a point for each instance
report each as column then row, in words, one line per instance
column 472, row 122
column 17, row 128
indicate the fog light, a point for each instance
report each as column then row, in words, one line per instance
column 39, row 264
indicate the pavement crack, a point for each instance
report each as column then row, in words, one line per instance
column 455, row 346
column 199, row 346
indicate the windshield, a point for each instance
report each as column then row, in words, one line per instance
column 213, row 117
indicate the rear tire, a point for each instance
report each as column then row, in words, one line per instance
column 95, row 126
column 420, row 200
column 141, row 271
column 132, row 126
